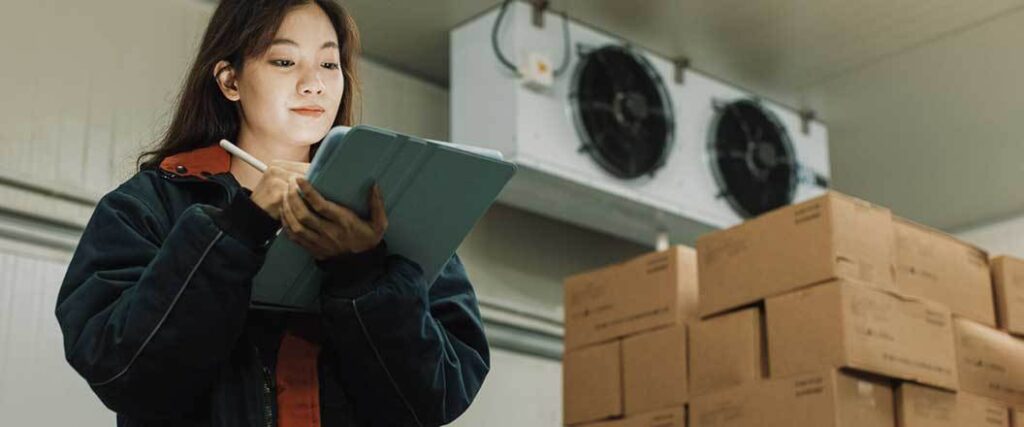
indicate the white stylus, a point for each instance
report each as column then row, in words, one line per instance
column 256, row 163
column 241, row 154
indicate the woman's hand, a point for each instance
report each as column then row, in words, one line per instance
column 270, row 192
column 330, row 229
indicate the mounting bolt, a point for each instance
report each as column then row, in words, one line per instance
column 539, row 6
column 681, row 64
column 661, row 241
column 806, row 117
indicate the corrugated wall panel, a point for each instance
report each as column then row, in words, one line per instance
column 37, row 386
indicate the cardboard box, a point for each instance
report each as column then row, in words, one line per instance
column 991, row 362
column 672, row 417
column 936, row 266
column 1008, row 278
column 922, row 406
column 592, row 383
column 654, row 370
column 829, row 398
column 654, row 290
column 828, row 237
column 727, row 350
column 843, row 324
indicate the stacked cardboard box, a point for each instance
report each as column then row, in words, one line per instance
column 727, row 350
column 823, row 239
column 938, row 267
column 820, row 399
column 672, row 417
column 1008, row 278
column 922, row 406
column 626, row 339
column 848, row 324
column 991, row 362
column 831, row 312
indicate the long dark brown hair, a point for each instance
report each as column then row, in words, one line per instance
column 241, row 29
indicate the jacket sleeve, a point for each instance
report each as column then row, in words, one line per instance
column 408, row 353
column 149, row 308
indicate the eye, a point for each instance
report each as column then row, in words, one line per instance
column 331, row 65
column 282, row 62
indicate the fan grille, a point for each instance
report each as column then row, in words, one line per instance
column 752, row 158
column 621, row 111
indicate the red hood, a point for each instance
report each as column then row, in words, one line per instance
column 200, row 162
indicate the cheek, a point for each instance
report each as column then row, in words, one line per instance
column 336, row 89
column 263, row 100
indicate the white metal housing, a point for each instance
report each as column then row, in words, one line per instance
column 491, row 108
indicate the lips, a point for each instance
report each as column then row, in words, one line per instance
column 309, row 111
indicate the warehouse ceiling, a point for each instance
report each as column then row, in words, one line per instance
column 923, row 97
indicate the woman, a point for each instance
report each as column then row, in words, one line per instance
column 155, row 303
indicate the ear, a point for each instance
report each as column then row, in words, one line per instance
column 227, row 80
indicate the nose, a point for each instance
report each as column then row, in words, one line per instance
column 311, row 84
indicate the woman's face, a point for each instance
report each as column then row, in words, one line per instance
column 291, row 94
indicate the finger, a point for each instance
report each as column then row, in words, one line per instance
column 301, row 212
column 291, row 222
column 315, row 200
column 332, row 211
column 327, row 211
column 378, row 215
column 317, row 237
column 298, row 234
column 306, row 243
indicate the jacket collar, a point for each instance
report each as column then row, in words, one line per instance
column 200, row 162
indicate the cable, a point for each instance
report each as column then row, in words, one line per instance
column 565, row 50
column 508, row 64
column 494, row 39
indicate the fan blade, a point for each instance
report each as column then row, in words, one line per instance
column 657, row 112
column 609, row 70
column 597, row 106
column 731, row 108
column 731, row 154
column 784, row 160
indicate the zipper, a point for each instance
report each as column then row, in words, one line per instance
column 267, row 393
column 217, row 180
column 228, row 194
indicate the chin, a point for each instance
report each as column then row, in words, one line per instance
column 309, row 137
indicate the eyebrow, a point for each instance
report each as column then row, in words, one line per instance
column 326, row 45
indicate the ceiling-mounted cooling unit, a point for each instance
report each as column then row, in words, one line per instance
column 615, row 143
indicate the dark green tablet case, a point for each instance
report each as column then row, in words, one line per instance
column 434, row 193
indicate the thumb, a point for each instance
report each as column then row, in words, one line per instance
column 378, row 215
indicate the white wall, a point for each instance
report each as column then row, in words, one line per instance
column 1004, row 237
column 37, row 386
column 87, row 84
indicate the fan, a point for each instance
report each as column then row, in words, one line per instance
column 621, row 111
column 751, row 157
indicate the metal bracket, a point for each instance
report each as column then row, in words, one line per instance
column 806, row 117
column 583, row 49
column 681, row 64
column 661, row 241
column 719, row 104
column 539, row 6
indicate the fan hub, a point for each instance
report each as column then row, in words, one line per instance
column 753, row 160
column 630, row 108
column 763, row 157
column 622, row 111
